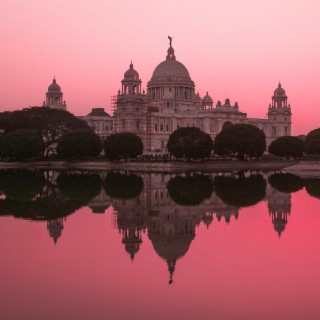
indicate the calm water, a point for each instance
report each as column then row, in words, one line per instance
column 78, row 245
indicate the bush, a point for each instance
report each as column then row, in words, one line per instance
column 190, row 142
column 312, row 142
column 240, row 140
column 123, row 146
column 287, row 147
column 21, row 144
column 79, row 145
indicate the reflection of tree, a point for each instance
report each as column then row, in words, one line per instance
column 35, row 196
column 123, row 186
column 313, row 187
column 286, row 182
column 191, row 190
column 21, row 185
column 81, row 187
column 240, row 191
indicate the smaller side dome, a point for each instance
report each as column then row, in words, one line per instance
column 54, row 87
column 207, row 99
column 131, row 73
column 279, row 92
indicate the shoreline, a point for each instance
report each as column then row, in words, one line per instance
column 301, row 168
column 157, row 166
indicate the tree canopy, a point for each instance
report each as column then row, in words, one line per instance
column 286, row 182
column 287, row 146
column 312, row 142
column 81, row 187
column 240, row 140
column 31, row 195
column 240, row 191
column 190, row 190
column 123, row 186
column 313, row 187
column 21, row 144
column 50, row 124
column 123, row 145
column 79, row 144
column 190, row 142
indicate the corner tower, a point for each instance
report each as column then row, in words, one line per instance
column 279, row 115
column 54, row 97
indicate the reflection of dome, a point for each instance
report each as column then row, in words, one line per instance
column 171, row 69
column 279, row 92
column 207, row 99
column 54, row 87
column 207, row 219
column 171, row 247
column 55, row 228
column 132, row 246
column 131, row 74
column 279, row 226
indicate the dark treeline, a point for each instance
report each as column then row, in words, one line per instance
column 42, row 133
column 43, row 195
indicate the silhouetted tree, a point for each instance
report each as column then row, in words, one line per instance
column 312, row 142
column 286, row 182
column 30, row 196
column 190, row 142
column 79, row 145
column 50, row 124
column 79, row 186
column 190, row 190
column 123, row 186
column 240, row 191
column 21, row 185
column 313, row 187
column 21, row 145
column 240, row 140
column 123, row 145
column 287, row 146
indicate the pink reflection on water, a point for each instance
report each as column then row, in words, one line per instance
column 235, row 270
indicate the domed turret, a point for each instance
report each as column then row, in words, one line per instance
column 207, row 101
column 54, row 97
column 131, row 73
column 279, row 92
column 131, row 84
column 54, row 87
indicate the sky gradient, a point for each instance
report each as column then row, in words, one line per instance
column 237, row 49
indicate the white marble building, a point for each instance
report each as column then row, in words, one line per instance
column 171, row 102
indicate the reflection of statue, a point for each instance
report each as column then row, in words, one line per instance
column 170, row 39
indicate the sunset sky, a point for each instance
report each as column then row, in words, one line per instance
column 237, row 49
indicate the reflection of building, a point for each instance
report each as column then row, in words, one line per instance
column 55, row 228
column 54, row 97
column 100, row 203
column 279, row 206
column 171, row 227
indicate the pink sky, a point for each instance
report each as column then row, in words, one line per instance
column 238, row 49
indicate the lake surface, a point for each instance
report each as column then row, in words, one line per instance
column 115, row 245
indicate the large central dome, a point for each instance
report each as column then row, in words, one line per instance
column 171, row 70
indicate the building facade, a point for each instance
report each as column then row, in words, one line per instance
column 171, row 102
